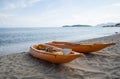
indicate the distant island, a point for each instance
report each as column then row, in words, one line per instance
column 115, row 25
column 76, row 26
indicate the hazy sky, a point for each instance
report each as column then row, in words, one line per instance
column 27, row 13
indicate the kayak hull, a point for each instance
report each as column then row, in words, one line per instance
column 54, row 58
column 81, row 47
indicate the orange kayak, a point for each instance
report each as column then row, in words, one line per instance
column 84, row 48
column 53, row 54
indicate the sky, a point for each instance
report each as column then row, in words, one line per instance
column 56, row 13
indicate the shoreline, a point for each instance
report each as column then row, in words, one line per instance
column 15, row 50
column 23, row 38
column 103, row 64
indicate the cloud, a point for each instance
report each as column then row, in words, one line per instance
column 116, row 4
column 55, row 13
column 19, row 4
column 5, row 19
column 5, row 15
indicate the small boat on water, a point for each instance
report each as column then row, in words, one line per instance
column 53, row 54
column 83, row 48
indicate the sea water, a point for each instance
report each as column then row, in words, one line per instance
column 16, row 40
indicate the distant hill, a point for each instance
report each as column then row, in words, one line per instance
column 106, row 24
column 76, row 26
column 115, row 25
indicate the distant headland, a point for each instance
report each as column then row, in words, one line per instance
column 76, row 26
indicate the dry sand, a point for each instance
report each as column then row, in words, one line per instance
column 104, row 64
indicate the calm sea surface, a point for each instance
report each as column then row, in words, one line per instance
column 16, row 40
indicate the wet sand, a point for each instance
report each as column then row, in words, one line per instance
column 104, row 64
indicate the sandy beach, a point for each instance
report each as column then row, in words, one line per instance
column 104, row 64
